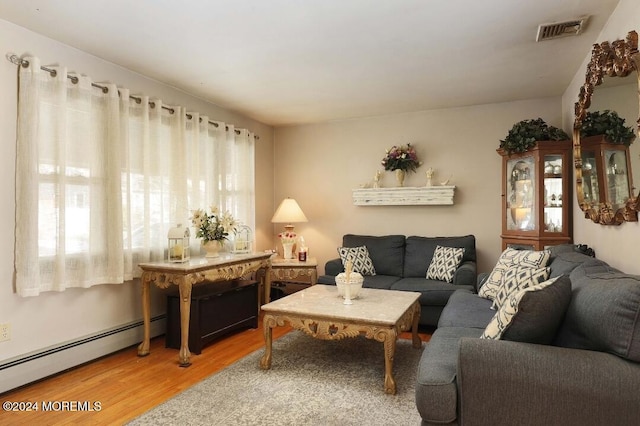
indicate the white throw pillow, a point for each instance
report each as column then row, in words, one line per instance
column 360, row 257
column 508, row 312
column 511, row 257
column 518, row 278
column 444, row 263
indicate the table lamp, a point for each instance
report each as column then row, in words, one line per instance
column 288, row 212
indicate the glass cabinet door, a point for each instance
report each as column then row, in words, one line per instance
column 590, row 177
column 616, row 176
column 553, row 197
column 521, row 189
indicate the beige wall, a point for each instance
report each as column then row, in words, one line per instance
column 319, row 164
column 52, row 318
column 616, row 245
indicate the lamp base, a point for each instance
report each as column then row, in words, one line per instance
column 287, row 250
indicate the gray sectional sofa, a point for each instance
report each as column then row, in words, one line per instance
column 584, row 369
column 401, row 263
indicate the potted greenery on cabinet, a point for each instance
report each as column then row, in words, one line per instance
column 526, row 133
column 536, row 197
column 608, row 124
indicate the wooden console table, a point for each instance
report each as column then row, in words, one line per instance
column 185, row 275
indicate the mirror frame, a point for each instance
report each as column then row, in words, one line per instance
column 617, row 59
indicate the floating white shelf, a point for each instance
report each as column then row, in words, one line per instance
column 404, row 196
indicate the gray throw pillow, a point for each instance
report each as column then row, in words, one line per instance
column 532, row 315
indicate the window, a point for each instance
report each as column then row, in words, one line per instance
column 113, row 175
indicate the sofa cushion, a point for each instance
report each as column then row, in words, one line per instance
column 444, row 263
column 386, row 252
column 436, row 389
column 511, row 257
column 564, row 262
column 432, row 292
column 466, row 309
column 533, row 314
column 360, row 257
column 420, row 250
column 383, row 282
column 516, row 279
column 604, row 313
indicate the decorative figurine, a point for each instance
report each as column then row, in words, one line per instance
column 446, row 181
column 376, row 179
column 429, row 174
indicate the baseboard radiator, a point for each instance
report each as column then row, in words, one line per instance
column 37, row 365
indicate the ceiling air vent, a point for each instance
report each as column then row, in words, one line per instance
column 560, row 29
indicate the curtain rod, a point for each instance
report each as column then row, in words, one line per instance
column 15, row 59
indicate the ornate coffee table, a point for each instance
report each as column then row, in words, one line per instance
column 319, row 312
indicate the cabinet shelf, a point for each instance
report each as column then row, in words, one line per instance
column 404, row 196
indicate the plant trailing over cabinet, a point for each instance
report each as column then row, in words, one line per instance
column 526, row 133
column 609, row 124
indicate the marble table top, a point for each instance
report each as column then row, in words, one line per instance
column 373, row 306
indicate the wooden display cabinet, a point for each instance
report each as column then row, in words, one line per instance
column 537, row 196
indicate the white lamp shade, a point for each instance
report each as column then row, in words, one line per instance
column 288, row 212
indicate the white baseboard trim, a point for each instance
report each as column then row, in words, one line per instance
column 37, row 365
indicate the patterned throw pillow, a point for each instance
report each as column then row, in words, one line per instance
column 510, row 313
column 444, row 263
column 511, row 257
column 516, row 279
column 360, row 257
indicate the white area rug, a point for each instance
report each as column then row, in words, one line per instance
column 311, row 382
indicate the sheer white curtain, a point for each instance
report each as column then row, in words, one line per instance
column 100, row 178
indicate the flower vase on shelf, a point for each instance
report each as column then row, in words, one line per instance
column 402, row 159
column 287, row 250
column 400, row 177
column 212, row 248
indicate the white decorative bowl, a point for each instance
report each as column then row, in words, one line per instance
column 355, row 280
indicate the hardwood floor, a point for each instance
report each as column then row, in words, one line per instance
column 125, row 385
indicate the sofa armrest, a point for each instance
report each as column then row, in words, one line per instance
column 502, row 382
column 465, row 274
column 333, row 267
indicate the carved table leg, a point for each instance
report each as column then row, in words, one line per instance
column 143, row 348
column 267, row 284
column 389, row 352
column 417, row 342
column 184, row 356
column 268, row 324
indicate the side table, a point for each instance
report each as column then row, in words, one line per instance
column 295, row 274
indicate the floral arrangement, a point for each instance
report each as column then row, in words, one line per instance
column 287, row 237
column 213, row 226
column 402, row 158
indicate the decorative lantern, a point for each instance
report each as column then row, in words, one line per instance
column 178, row 244
column 243, row 241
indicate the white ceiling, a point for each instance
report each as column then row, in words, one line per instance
column 288, row 62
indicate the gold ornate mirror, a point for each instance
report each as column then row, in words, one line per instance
column 604, row 185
